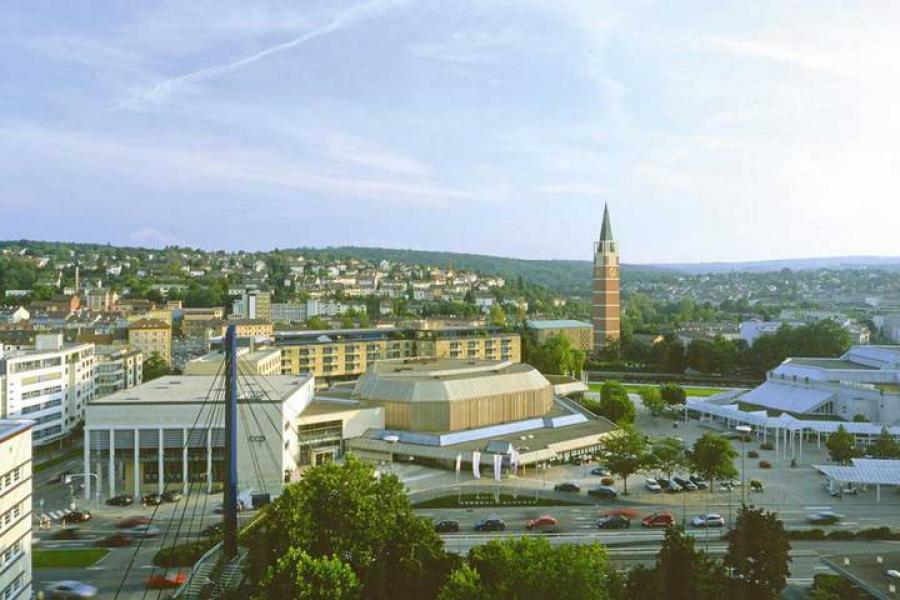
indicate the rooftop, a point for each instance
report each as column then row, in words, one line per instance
column 149, row 324
column 557, row 324
column 9, row 428
column 831, row 364
column 189, row 389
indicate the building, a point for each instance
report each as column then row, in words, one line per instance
column 581, row 334
column 606, row 286
column 14, row 315
column 753, row 329
column 253, row 304
column 247, row 327
column 442, row 394
column 289, row 312
column 15, row 509
column 101, row 299
column 889, row 326
column 151, row 337
column 197, row 322
column 118, row 368
column 50, row 385
column 265, row 361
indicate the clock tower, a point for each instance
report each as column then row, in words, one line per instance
column 606, row 286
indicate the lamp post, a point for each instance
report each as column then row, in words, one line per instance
column 392, row 440
column 744, row 430
column 68, row 481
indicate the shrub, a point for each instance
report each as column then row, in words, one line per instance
column 842, row 535
column 607, row 481
column 764, row 464
column 806, row 534
column 767, row 446
column 878, row 533
column 182, row 555
column 753, row 454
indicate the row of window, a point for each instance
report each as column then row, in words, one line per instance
column 10, row 516
column 10, row 478
column 11, row 553
column 13, row 588
column 43, row 406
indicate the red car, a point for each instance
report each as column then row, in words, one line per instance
column 166, row 581
column 133, row 521
column 662, row 518
column 542, row 523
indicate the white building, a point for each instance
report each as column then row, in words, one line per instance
column 283, row 312
column 49, row 385
column 117, row 368
column 16, row 315
column 15, row 510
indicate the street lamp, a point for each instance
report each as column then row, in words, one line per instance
column 68, row 481
column 392, row 440
column 744, row 430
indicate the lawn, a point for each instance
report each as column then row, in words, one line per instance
column 693, row 391
column 65, row 559
column 489, row 500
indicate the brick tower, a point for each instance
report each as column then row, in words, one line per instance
column 606, row 286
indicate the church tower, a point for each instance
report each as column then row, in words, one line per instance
column 606, row 286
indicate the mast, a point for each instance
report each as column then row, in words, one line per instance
column 229, row 545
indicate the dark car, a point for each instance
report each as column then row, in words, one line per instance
column 115, row 540
column 122, row 500
column 172, row 496
column 567, row 486
column 699, row 482
column 152, row 499
column 214, row 530
column 825, row 517
column 446, row 526
column 604, row 491
column 76, row 516
column 686, row 484
column 613, row 522
column 490, row 523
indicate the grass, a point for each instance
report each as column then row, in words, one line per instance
column 58, row 460
column 489, row 500
column 693, row 391
column 66, row 559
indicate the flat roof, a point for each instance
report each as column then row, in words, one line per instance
column 10, row 428
column 444, row 368
column 540, row 439
column 865, row 571
column 187, row 389
column 557, row 324
column 831, row 364
column 244, row 354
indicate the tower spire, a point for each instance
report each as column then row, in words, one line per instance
column 606, row 234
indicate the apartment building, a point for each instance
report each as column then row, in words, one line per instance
column 196, row 322
column 253, row 304
column 50, row 385
column 579, row 333
column 151, row 336
column 15, row 509
column 246, row 327
column 118, row 368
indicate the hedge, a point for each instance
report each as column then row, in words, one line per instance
column 877, row 533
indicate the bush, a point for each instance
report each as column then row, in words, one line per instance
column 753, row 454
column 607, row 481
column 767, row 446
column 806, row 534
column 182, row 555
column 764, row 464
column 878, row 533
column 841, row 535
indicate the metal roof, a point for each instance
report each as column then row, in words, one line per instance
column 787, row 397
column 557, row 324
column 864, row 471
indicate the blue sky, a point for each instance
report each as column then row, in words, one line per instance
column 716, row 131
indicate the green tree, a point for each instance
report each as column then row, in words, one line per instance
column 759, row 553
column 299, row 576
column 673, row 394
column 668, row 454
column 556, row 356
column 155, row 367
column 712, row 457
column 652, row 400
column 497, row 316
column 686, row 573
column 316, row 323
column 463, row 584
column 841, row 445
column 885, row 446
column 615, row 404
column 626, row 453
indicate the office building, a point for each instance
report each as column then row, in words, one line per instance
column 118, row 368
column 253, row 304
column 606, row 286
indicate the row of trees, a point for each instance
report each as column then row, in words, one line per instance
column 615, row 405
column 842, row 446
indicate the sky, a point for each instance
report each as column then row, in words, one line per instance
column 719, row 131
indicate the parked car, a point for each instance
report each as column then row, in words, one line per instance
column 173, row 496
column 121, row 500
column 446, row 526
column 710, row 520
column 825, row 517
column 490, row 523
column 699, row 482
column 686, row 484
column 70, row 590
column 662, row 518
column 142, row 531
column 76, row 516
column 604, row 491
column 214, row 530
column 567, row 486
column 59, row 478
column 652, row 485
column 114, row 540
column 600, row 471
column 152, row 499
column 613, row 522
column 165, row 581
column 133, row 521
column 672, row 487
column 543, row 523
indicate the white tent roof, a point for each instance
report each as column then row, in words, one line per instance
column 790, row 398
column 867, row 471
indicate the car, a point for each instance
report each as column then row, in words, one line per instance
column 220, row 508
column 685, row 484
column 172, row 496
column 604, row 491
column 446, row 526
column 662, row 518
column 652, row 485
column 121, row 500
column 613, row 522
column 490, row 523
column 672, row 487
column 70, row 590
column 142, row 531
column 543, row 523
column 115, row 540
column 59, row 478
column 133, row 521
column 710, row 520
column 567, row 486
column 824, row 517
column 214, row 530
column 76, row 516
column 699, row 482
column 600, row 471
column 152, row 499
column 166, row 581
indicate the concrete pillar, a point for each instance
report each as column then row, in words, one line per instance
column 112, row 463
column 137, row 463
column 800, row 454
column 160, row 484
column 87, row 465
column 184, row 462
column 878, row 493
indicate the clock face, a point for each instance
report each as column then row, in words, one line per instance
column 613, row 271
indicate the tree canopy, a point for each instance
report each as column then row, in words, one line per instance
column 626, row 453
column 841, row 445
column 759, row 553
column 712, row 457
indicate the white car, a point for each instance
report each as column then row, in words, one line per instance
column 652, row 486
column 70, row 590
column 708, row 521
column 142, row 531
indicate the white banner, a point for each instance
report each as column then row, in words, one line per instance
column 476, row 466
column 498, row 466
column 458, row 462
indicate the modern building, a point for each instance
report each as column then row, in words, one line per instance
column 581, row 334
column 118, row 368
column 15, row 510
column 606, row 311
column 151, row 336
column 169, row 433
column 253, row 304
column 49, row 384
column 263, row 361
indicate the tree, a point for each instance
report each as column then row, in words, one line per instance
column 317, row 323
column 885, row 446
column 652, row 400
column 497, row 316
column 300, row 576
column 712, row 457
column 626, row 453
column 155, row 367
column 615, row 404
column 668, row 454
column 841, row 445
column 673, row 394
column 556, row 356
column 759, row 553
column 686, row 573
column 463, row 584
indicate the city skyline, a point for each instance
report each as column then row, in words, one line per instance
column 494, row 128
